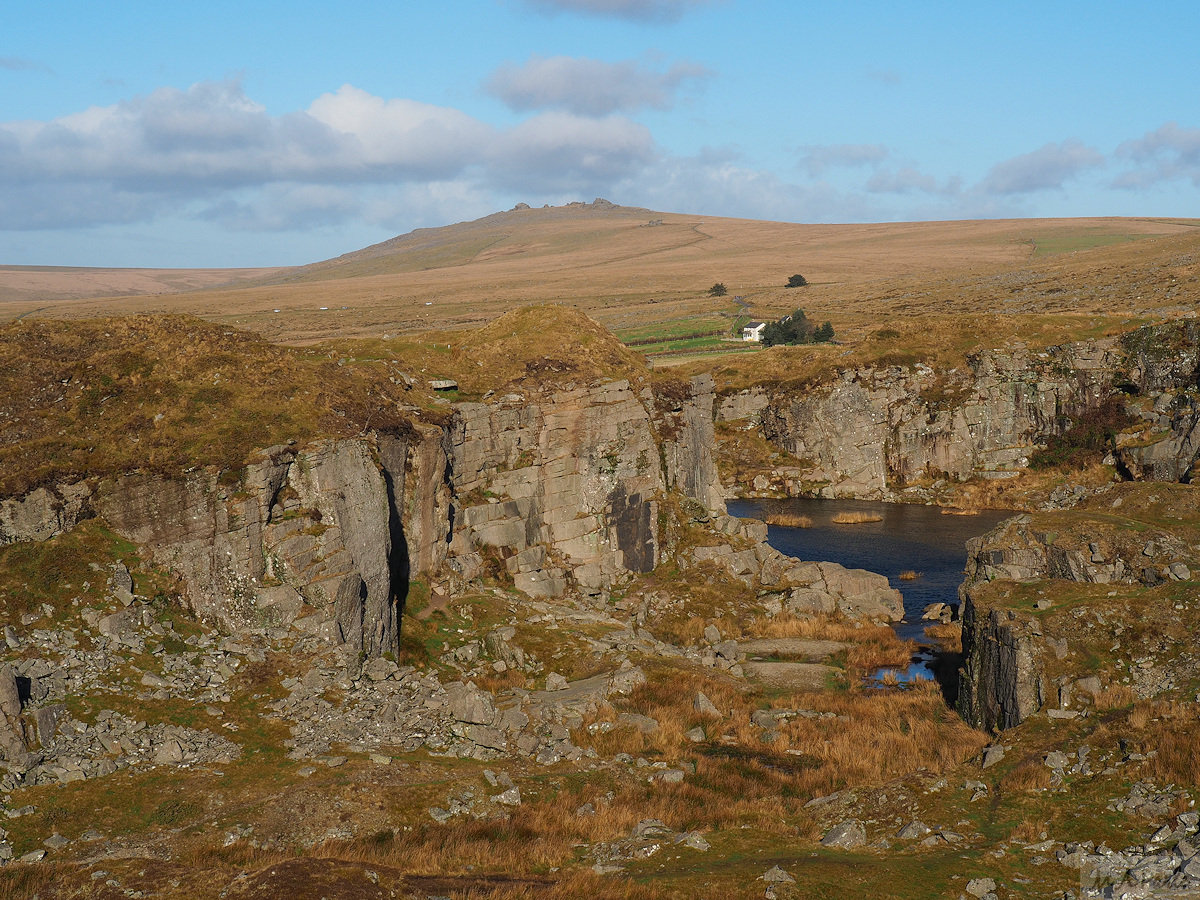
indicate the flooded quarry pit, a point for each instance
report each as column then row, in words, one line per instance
column 921, row 550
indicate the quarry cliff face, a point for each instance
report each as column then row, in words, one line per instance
column 870, row 432
column 560, row 487
column 1061, row 608
column 875, row 432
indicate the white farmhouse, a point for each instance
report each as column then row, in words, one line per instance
column 752, row 331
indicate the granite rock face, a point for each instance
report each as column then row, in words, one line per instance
column 871, row 431
column 299, row 531
column 1160, row 375
column 685, row 427
column 1001, row 682
column 42, row 513
column 1060, row 606
column 561, row 486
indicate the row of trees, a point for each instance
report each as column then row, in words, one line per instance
column 796, row 329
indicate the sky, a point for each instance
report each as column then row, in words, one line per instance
column 259, row 133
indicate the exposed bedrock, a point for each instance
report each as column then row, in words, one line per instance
column 560, row 487
column 1058, row 607
column 301, row 532
column 1001, row 680
column 873, row 432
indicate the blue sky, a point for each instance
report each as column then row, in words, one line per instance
column 270, row 133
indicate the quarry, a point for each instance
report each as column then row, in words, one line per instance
column 284, row 608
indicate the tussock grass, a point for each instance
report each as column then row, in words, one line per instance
column 873, row 736
column 948, row 635
column 883, row 734
column 1168, row 727
column 791, row 520
column 856, row 518
column 959, row 511
column 166, row 393
column 870, row 646
column 909, row 575
column 1117, row 696
column 1030, row 774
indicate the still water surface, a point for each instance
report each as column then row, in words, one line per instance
column 908, row 537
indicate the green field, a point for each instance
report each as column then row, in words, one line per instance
column 1053, row 245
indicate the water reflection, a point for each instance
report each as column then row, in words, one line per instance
column 907, row 538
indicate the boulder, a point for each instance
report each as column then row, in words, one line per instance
column 845, row 835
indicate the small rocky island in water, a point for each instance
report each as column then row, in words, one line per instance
column 307, row 621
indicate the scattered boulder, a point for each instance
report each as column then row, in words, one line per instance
column 845, row 835
column 776, row 875
column 706, row 707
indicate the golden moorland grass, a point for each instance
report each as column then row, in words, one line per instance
column 97, row 397
column 915, row 277
column 855, row 518
column 790, row 520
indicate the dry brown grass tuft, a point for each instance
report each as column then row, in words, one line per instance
column 959, row 511
column 856, row 518
column 1169, row 728
column 790, row 520
column 1116, row 696
column 1178, row 757
column 948, row 635
column 167, row 393
column 909, row 575
column 871, row 646
column 882, row 734
column 1029, row 774
column 1029, row 831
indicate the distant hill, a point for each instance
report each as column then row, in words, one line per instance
column 629, row 268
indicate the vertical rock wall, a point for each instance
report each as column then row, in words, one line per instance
column 685, row 427
column 871, row 431
column 1000, row 684
column 560, row 485
column 301, row 534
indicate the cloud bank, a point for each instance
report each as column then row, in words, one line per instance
column 588, row 87
column 205, row 147
column 212, row 156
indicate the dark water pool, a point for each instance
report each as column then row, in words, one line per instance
column 907, row 538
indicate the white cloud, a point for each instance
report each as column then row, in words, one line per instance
column 1048, row 167
column 638, row 10
column 588, row 86
column 559, row 151
column 285, row 207
column 715, row 182
column 1165, row 154
column 908, row 180
column 817, row 159
column 211, row 151
column 404, row 134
